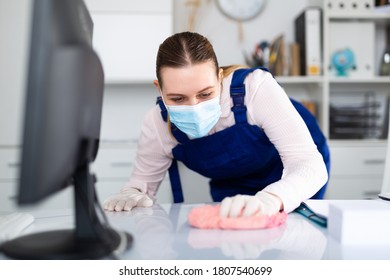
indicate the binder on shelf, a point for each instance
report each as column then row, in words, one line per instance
column 308, row 33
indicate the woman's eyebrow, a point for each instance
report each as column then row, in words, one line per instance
column 175, row 94
column 205, row 89
column 202, row 90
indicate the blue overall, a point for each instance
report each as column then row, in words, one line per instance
column 239, row 159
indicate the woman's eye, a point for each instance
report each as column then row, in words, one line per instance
column 177, row 99
column 205, row 95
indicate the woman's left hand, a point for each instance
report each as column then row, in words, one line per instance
column 263, row 203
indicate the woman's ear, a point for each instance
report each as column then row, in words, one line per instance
column 157, row 85
column 220, row 74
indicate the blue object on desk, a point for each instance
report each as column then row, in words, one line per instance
column 319, row 219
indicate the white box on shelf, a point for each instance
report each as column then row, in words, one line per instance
column 358, row 37
column 349, row 7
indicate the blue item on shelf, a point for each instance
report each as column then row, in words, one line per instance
column 343, row 61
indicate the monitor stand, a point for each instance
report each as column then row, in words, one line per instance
column 90, row 239
column 384, row 196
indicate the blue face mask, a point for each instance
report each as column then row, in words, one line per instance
column 196, row 120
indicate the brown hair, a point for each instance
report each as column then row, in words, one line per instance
column 227, row 70
column 183, row 49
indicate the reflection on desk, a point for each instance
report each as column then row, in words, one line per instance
column 162, row 232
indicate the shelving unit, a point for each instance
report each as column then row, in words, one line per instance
column 357, row 164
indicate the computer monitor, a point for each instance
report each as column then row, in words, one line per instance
column 61, row 131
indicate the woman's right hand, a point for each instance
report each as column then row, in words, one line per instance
column 127, row 199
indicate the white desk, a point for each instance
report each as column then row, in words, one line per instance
column 162, row 232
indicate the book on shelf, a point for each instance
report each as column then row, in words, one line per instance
column 311, row 106
column 295, row 60
column 277, row 57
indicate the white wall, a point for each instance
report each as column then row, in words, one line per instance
column 276, row 18
column 14, row 33
column 124, row 107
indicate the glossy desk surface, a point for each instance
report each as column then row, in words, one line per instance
column 162, row 232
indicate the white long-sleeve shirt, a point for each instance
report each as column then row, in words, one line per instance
column 268, row 106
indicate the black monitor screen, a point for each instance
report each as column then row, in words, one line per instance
column 64, row 97
column 63, row 107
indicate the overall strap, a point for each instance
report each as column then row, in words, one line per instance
column 237, row 93
column 174, row 176
column 164, row 112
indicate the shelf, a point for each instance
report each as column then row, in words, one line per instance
column 372, row 80
column 280, row 79
column 358, row 142
column 129, row 82
column 286, row 80
column 300, row 79
column 380, row 18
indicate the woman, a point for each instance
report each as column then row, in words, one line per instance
column 234, row 125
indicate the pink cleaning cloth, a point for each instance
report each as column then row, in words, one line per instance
column 207, row 217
